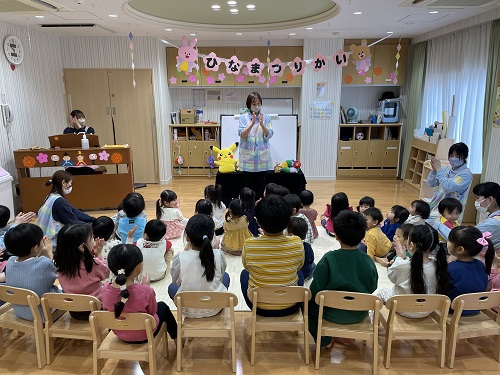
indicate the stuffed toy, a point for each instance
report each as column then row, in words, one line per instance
column 361, row 57
column 277, row 168
column 290, row 166
column 225, row 158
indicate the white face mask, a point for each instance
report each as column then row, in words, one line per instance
column 68, row 190
column 455, row 162
column 480, row 208
column 255, row 108
column 81, row 121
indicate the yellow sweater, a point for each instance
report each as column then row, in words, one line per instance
column 377, row 243
column 235, row 233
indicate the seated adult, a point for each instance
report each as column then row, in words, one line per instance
column 56, row 211
column 77, row 124
column 273, row 259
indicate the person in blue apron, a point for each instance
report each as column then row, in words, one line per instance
column 450, row 182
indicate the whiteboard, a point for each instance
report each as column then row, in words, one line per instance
column 283, row 142
column 280, row 106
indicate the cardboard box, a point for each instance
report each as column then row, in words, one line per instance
column 188, row 116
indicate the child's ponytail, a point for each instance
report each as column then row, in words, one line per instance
column 158, row 209
column 442, row 276
column 474, row 242
column 207, row 259
column 121, row 280
column 490, row 252
column 424, row 240
column 200, row 231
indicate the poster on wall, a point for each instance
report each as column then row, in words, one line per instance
column 231, row 97
column 321, row 110
column 214, row 95
column 496, row 115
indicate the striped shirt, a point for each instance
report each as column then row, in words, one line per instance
column 273, row 261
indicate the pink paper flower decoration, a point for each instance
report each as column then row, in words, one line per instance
column 341, row 58
column 245, row 71
column 42, row 158
column 103, row 155
column 240, row 78
column 192, row 78
column 221, row 77
column 173, row 80
column 272, row 79
column 210, row 80
column 262, row 79
column 212, row 62
column 368, row 80
column 297, row 66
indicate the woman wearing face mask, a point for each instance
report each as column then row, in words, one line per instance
column 56, row 211
column 451, row 182
column 254, row 150
column 77, row 124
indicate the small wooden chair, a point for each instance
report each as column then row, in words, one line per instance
column 486, row 323
column 19, row 296
column 398, row 327
column 297, row 322
column 66, row 326
column 111, row 347
column 364, row 330
column 219, row 325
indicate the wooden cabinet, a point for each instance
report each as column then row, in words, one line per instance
column 192, row 143
column 119, row 113
column 349, row 74
column 368, row 150
column 176, row 78
column 210, row 78
column 385, row 64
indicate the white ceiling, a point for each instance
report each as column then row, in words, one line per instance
column 274, row 19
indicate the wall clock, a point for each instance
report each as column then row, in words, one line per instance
column 13, row 50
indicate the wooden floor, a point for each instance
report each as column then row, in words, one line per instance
column 277, row 353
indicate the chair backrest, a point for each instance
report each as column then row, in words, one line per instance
column 68, row 302
column 280, row 295
column 348, row 300
column 205, row 300
column 100, row 320
column 415, row 303
column 476, row 301
column 20, row 296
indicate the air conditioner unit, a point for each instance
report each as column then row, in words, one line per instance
column 449, row 4
column 30, row 6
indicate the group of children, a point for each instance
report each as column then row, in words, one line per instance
column 273, row 236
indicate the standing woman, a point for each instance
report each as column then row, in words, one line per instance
column 77, row 124
column 56, row 211
column 255, row 152
column 452, row 182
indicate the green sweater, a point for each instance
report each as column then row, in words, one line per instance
column 345, row 270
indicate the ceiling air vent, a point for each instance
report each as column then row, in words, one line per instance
column 69, row 25
column 449, row 4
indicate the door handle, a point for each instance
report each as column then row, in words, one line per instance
column 206, row 154
column 190, row 153
column 385, row 153
column 355, row 154
column 114, row 110
column 371, row 154
column 341, row 154
column 107, row 110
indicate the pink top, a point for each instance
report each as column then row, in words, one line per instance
column 312, row 215
column 87, row 283
column 329, row 220
column 142, row 300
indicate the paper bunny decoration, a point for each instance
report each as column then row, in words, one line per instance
column 187, row 56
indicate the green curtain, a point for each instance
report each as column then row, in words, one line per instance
column 491, row 90
column 418, row 58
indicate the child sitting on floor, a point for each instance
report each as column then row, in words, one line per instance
column 298, row 227
column 338, row 203
column 121, row 213
column 396, row 216
column 296, row 204
column 213, row 194
column 364, row 203
column 450, row 210
column 419, row 211
column 247, row 197
column 167, row 210
column 307, row 199
column 133, row 206
column 376, row 244
column 235, row 229
column 204, row 207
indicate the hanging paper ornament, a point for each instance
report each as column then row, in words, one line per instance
column 361, row 57
column 341, row 58
column 187, row 56
column 255, row 67
column 233, row 65
column 297, row 66
column 395, row 78
column 320, row 62
column 276, row 68
column 212, row 62
column 268, row 61
column 131, row 46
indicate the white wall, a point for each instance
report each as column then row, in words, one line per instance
column 318, row 143
column 35, row 92
column 114, row 52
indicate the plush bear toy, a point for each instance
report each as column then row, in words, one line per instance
column 361, row 57
column 225, row 158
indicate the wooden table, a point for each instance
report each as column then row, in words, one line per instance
column 94, row 191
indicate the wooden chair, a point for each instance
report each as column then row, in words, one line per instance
column 111, row 347
column 66, row 326
column 398, row 327
column 19, row 296
column 297, row 322
column 219, row 325
column 365, row 330
column 486, row 323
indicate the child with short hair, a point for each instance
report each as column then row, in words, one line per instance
column 298, row 227
column 364, row 203
column 419, row 211
column 294, row 201
column 199, row 268
column 157, row 253
column 400, row 240
column 4, row 219
column 247, row 197
column 353, row 272
column 30, row 266
column 204, row 207
column 213, row 194
column 419, row 274
column 272, row 259
column 450, row 210
column 376, row 245
column 104, row 228
column 79, row 263
column 339, row 202
column 167, row 210
column 133, row 206
column 307, row 199
column 272, row 188
column 396, row 216
column 121, row 214
column 467, row 274
column 125, row 295
column 235, row 229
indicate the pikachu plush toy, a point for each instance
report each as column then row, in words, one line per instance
column 225, row 158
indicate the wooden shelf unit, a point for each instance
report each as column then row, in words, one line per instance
column 194, row 147
column 376, row 155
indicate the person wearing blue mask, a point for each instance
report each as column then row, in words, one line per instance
column 450, row 182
